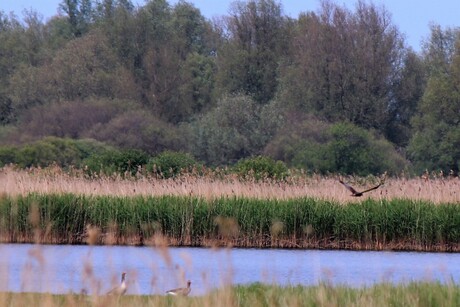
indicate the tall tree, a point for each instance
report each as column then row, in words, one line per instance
column 436, row 141
column 409, row 88
column 86, row 67
column 177, row 68
column 248, row 61
column 79, row 14
column 13, row 54
column 344, row 63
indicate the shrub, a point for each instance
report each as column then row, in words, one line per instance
column 261, row 167
column 116, row 161
column 7, row 155
column 312, row 156
column 228, row 132
column 140, row 130
column 51, row 150
column 330, row 148
column 170, row 164
column 355, row 150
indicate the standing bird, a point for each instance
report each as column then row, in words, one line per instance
column 181, row 291
column 121, row 289
column 356, row 193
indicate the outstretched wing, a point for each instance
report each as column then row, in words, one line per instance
column 349, row 187
column 376, row 187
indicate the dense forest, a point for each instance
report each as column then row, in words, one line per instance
column 335, row 90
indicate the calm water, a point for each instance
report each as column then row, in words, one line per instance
column 64, row 268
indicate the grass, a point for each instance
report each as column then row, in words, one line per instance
column 398, row 224
column 53, row 180
column 255, row 295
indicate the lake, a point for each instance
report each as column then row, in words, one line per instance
column 71, row 268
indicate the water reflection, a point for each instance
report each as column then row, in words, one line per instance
column 65, row 268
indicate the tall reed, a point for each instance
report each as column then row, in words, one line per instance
column 193, row 221
column 215, row 185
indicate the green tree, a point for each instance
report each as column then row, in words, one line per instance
column 197, row 88
column 318, row 146
column 79, row 15
column 436, row 140
column 228, row 132
column 248, row 60
column 408, row 92
column 176, row 70
column 344, row 64
column 86, row 67
column 19, row 46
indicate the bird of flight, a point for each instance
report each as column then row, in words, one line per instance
column 356, row 193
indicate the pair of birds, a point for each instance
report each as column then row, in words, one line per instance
column 121, row 289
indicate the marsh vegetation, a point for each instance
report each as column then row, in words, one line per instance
column 310, row 212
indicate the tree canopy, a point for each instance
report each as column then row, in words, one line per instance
column 329, row 90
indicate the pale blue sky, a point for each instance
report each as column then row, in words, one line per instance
column 412, row 17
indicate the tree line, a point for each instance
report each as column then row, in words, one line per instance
column 335, row 90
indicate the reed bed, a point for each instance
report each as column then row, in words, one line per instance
column 398, row 224
column 412, row 294
column 434, row 189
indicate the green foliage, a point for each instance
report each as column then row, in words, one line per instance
column 196, row 91
column 261, row 168
column 129, row 161
column 94, row 71
column 170, row 164
column 162, row 77
column 350, row 150
column 7, row 155
column 355, row 150
column 313, row 156
column 51, row 150
column 229, row 132
column 333, row 73
column 249, row 60
column 436, row 139
column 305, row 222
column 330, row 148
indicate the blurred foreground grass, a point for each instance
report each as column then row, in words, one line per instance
column 411, row 294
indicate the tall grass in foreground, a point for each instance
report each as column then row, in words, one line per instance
column 412, row 294
column 230, row 221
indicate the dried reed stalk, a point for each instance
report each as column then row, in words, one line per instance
column 22, row 182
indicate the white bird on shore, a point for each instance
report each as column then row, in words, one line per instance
column 180, row 291
column 121, row 289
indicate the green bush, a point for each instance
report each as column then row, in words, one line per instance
column 355, row 150
column 170, row 164
column 230, row 131
column 261, row 167
column 312, row 156
column 316, row 146
column 116, row 161
column 38, row 154
column 7, row 155
column 51, row 150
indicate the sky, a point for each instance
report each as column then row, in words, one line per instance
column 412, row 17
